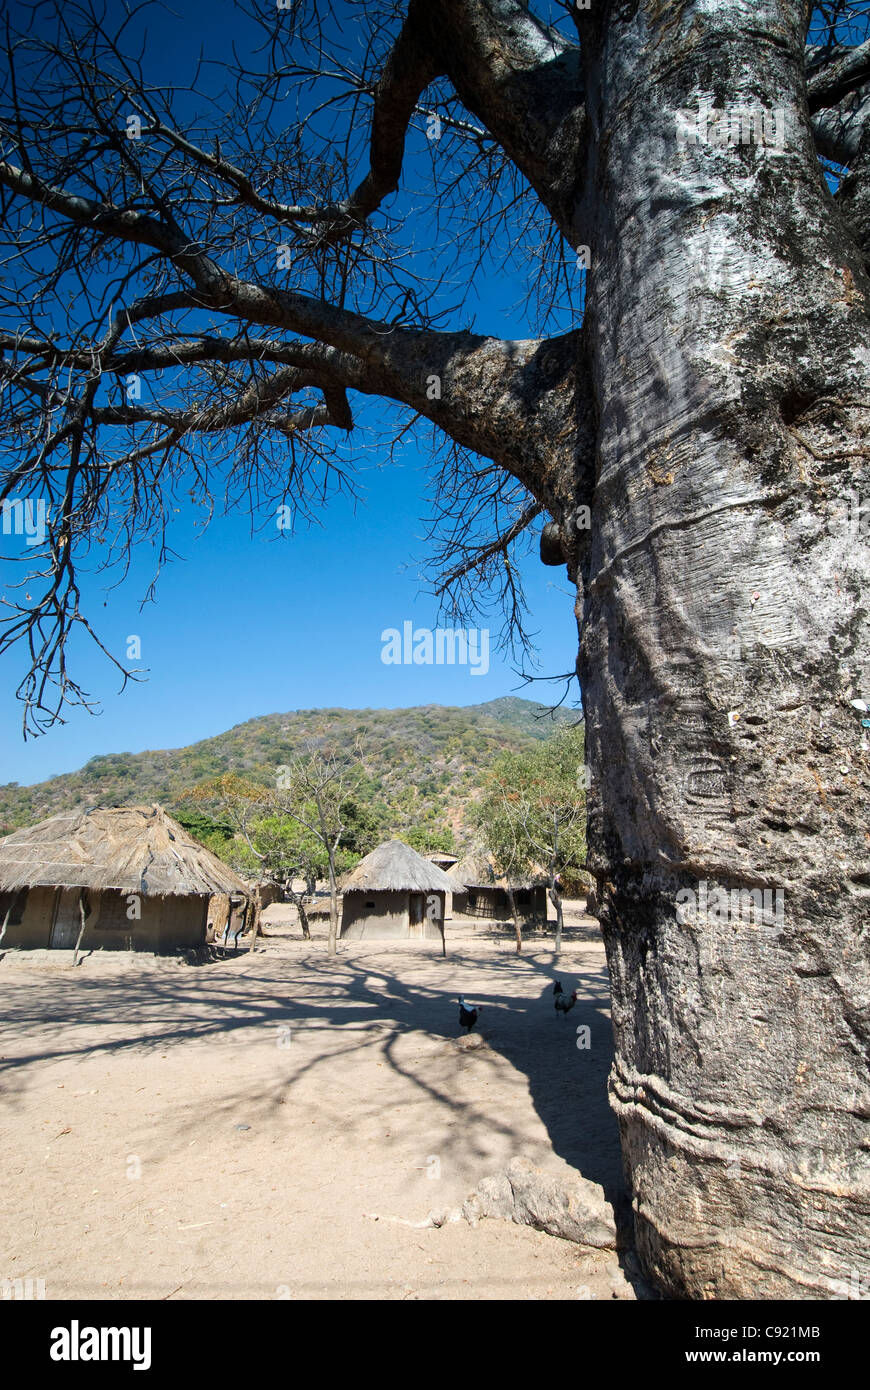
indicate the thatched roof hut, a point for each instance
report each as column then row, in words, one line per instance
column 135, row 849
column 394, row 892
column 480, row 891
column 396, row 868
column 475, row 870
column 136, row 871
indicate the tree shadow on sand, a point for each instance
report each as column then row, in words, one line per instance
column 365, row 1002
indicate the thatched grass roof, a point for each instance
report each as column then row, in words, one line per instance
column 319, row 908
column 396, row 868
column 477, row 870
column 443, row 861
column 136, row 849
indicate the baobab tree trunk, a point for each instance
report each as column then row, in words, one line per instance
column 724, row 616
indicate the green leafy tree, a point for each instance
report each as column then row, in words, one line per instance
column 312, row 789
column 203, row 827
column 365, row 825
column 219, row 837
column 291, row 851
column 427, row 839
column 533, row 815
column 310, row 792
column 239, row 802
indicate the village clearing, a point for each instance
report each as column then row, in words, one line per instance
column 273, row 1125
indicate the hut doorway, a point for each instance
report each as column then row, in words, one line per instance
column 235, row 920
column 416, row 915
column 67, row 920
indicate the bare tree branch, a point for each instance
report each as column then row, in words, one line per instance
column 146, row 272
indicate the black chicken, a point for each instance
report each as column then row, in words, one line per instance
column 467, row 1017
column 562, row 1001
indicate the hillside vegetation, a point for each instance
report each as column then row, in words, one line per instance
column 425, row 764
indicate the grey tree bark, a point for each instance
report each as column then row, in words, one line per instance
column 723, row 613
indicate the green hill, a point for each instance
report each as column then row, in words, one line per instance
column 425, row 763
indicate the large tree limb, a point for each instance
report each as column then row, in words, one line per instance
column 841, row 131
column 127, row 225
column 411, row 66
column 523, row 81
column 477, row 389
column 516, row 402
column 833, row 73
column 399, row 362
column 838, row 95
column 400, row 354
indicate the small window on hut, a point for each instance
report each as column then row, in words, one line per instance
column 369, row 904
column 472, row 900
column 14, row 904
column 114, row 907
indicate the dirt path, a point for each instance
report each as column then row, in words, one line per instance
column 252, row 1128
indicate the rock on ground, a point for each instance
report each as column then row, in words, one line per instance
column 572, row 1208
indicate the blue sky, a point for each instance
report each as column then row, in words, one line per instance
column 243, row 627
column 246, row 625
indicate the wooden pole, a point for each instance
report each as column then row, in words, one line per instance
column 81, row 928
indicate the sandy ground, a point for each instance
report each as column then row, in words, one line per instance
column 262, row 1126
